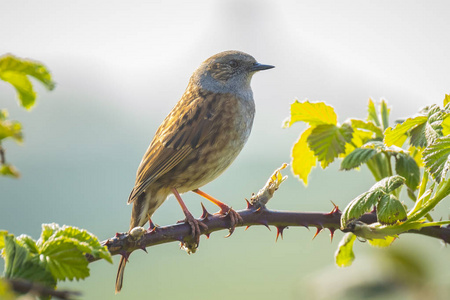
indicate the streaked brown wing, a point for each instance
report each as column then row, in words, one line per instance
column 184, row 129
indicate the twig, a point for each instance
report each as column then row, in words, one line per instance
column 24, row 286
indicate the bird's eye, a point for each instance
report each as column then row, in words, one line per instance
column 233, row 64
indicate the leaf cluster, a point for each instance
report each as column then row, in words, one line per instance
column 59, row 254
column 414, row 154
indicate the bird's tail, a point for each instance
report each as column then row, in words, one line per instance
column 120, row 273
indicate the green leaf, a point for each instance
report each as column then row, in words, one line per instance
column 20, row 264
column 344, row 254
column 28, row 242
column 390, row 210
column 407, row 167
column 372, row 114
column 16, row 71
column 384, row 112
column 382, row 243
column 398, row 135
column 9, row 170
column 357, row 157
column 313, row 113
column 3, row 233
column 327, row 141
column 303, row 159
column 366, row 201
column 8, row 128
column 436, row 158
column 64, row 260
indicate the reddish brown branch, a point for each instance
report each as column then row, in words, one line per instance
column 125, row 242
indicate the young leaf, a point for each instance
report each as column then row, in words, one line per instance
column 372, row 114
column 64, row 260
column 313, row 113
column 365, row 202
column 303, row 158
column 407, row 167
column 436, row 158
column 20, row 264
column 344, row 254
column 327, row 141
column 357, row 157
column 28, row 242
column 382, row 243
column 3, row 233
column 369, row 125
column 8, row 128
column 390, row 210
column 398, row 135
column 16, row 71
column 9, row 170
column 384, row 112
column 446, row 99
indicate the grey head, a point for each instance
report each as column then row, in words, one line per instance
column 227, row 72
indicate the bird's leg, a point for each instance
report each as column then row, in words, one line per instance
column 195, row 224
column 224, row 210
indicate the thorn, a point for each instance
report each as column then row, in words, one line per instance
column 142, row 247
column 280, row 232
column 117, row 234
column 306, row 226
column 247, row 228
column 332, row 230
column 107, row 242
column 249, row 205
column 207, row 235
column 205, row 213
column 125, row 254
column 317, row 232
column 334, row 210
column 265, row 224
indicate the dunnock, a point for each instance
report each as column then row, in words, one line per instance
column 198, row 140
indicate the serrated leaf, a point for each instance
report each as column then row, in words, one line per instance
column 357, row 157
column 390, row 210
column 20, row 264
column 3, row 233
column 327, row 141
column 407, row 167
column 436, row 158
column 47, row 231
column 9, row 170
column 446, row 125
column 344, row 254
column 303, row 159
column 416, row 154
column 28, row 242
column 64, row 260
column 313, row 113
column 418, row 137
column 366, row 201
column 369, row 125
column 384, row 112
column 382, row 243
column 372, row 113
column 16, row 71
column 398, row 135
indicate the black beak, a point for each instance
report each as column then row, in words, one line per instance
column 259, row 67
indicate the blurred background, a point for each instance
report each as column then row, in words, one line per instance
column 121, row 66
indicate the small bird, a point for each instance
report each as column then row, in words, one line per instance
column 197, row 141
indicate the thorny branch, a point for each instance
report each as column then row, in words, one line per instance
column 256, row 213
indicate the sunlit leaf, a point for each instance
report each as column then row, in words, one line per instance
column 28, row 242
column 384, row 112
column 16, row 71
column 344, row 254
column 436, row 158
column 407, row 167
column 369, row 125
column 390, row 210
column 8, row 128
column 446, row 125
column 372, row 113
column 303, row 159
column 382, row 243
column 9, row 170
column 446, row 99
column 313, row 113
column 328, row 141
column 357, row 158
column 398, row 135
column 3, row 233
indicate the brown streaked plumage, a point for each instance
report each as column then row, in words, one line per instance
column 198, row 140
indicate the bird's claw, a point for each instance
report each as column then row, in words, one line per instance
column 196, row 227
column 235, row 219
